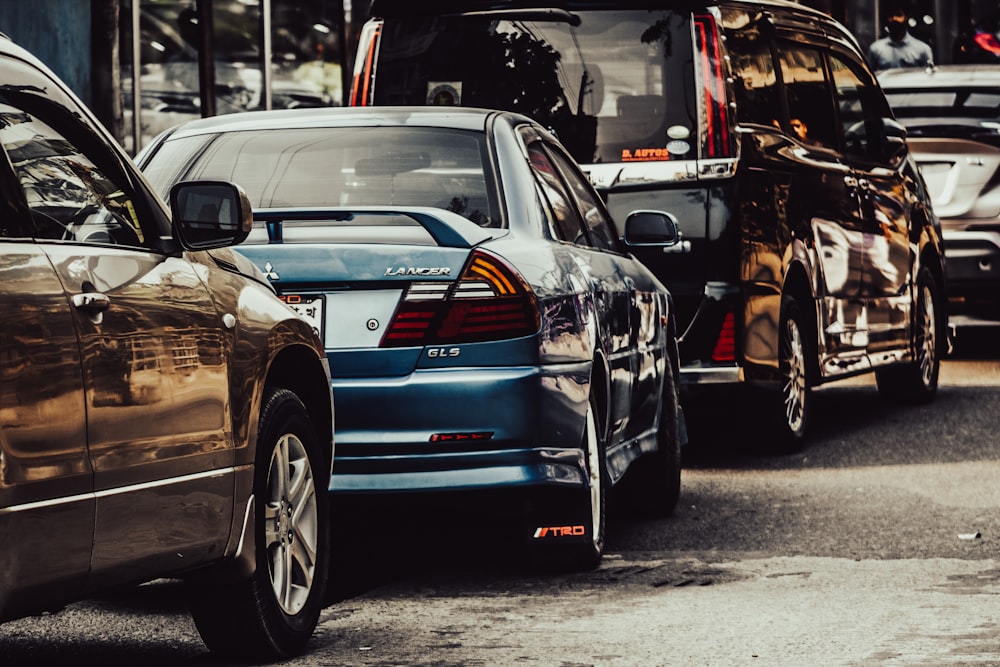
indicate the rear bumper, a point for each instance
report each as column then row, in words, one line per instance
column 453, row 472
column 701, row 375
column 704, row 357
column 461, row 428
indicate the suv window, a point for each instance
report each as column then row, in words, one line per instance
column 861, row 108
column 74, row 183
column 755, row 84
column 809, row 100
column 609, row 86
column 69, row 196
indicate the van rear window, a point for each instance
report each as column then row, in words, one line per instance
column 618, row 87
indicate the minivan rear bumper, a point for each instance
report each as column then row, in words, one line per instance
column 700, row 375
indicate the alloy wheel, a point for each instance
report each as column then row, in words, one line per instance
column 927, row 342
column 795, row 388
column 291, row 524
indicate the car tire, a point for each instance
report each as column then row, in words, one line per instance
column 587, row 509
column 652, row 487
column 273, row 614
column 792, row 407
column 916, row 382
column 586, row 555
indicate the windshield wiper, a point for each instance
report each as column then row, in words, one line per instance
column 538, row 14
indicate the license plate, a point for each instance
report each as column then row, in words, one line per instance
column 309, row 307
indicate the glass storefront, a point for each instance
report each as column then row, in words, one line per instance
column 304, row 39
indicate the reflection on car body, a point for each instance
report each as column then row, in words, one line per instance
column 160, row 407
column 486, row 328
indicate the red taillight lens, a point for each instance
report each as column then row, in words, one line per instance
column 490, row 301
column 718, row 140
column 461, row 437
column 725, row 345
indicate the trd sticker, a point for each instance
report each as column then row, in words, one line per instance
column 559, row 531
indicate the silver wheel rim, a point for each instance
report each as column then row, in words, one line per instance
column 795, row 379
column 291, row 521
column 927, row 349
column 594, row 469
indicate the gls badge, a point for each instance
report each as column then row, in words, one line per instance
column 443, row 352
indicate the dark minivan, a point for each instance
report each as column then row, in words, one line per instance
column 810, row 251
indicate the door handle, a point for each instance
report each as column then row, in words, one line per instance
column 852, row 186
column 866, row 188
column 92, row 303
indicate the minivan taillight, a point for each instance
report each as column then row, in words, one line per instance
column 490, row 301
column 718, row 140
column 725, row 344
column 362, row 77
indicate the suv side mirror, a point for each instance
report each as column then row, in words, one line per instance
column 210, row 214
column 651, row 228
column 895, row 141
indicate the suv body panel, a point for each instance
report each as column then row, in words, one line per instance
column 133, row 370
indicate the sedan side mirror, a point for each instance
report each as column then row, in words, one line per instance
column 651, row 228
column 210, row 214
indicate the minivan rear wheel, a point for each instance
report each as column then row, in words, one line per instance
column 793, row 406
column 916, row 381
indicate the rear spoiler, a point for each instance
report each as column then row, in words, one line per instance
column 448, row 229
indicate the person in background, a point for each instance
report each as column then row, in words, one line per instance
column 899, row 48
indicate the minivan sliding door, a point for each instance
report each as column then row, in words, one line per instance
column 887, row 199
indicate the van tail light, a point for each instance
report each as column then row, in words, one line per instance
column 361, row 80
column 490, row 301
column 718, row 141
column 725, row 344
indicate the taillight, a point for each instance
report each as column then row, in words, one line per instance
column 717, row 141
column 362, row 78
column 490, row 301
column 725, row 344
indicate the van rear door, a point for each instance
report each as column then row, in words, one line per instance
column 620, row 87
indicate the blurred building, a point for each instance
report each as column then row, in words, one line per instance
column 309, row 45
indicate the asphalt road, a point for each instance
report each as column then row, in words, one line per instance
column 875, row 545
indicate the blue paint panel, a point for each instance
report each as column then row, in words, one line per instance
column 58, row 33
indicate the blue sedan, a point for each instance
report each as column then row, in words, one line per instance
column 485, row 322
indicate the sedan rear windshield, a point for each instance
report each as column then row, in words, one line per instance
column 959, row 113
column 340, row 167
column 614, row 83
